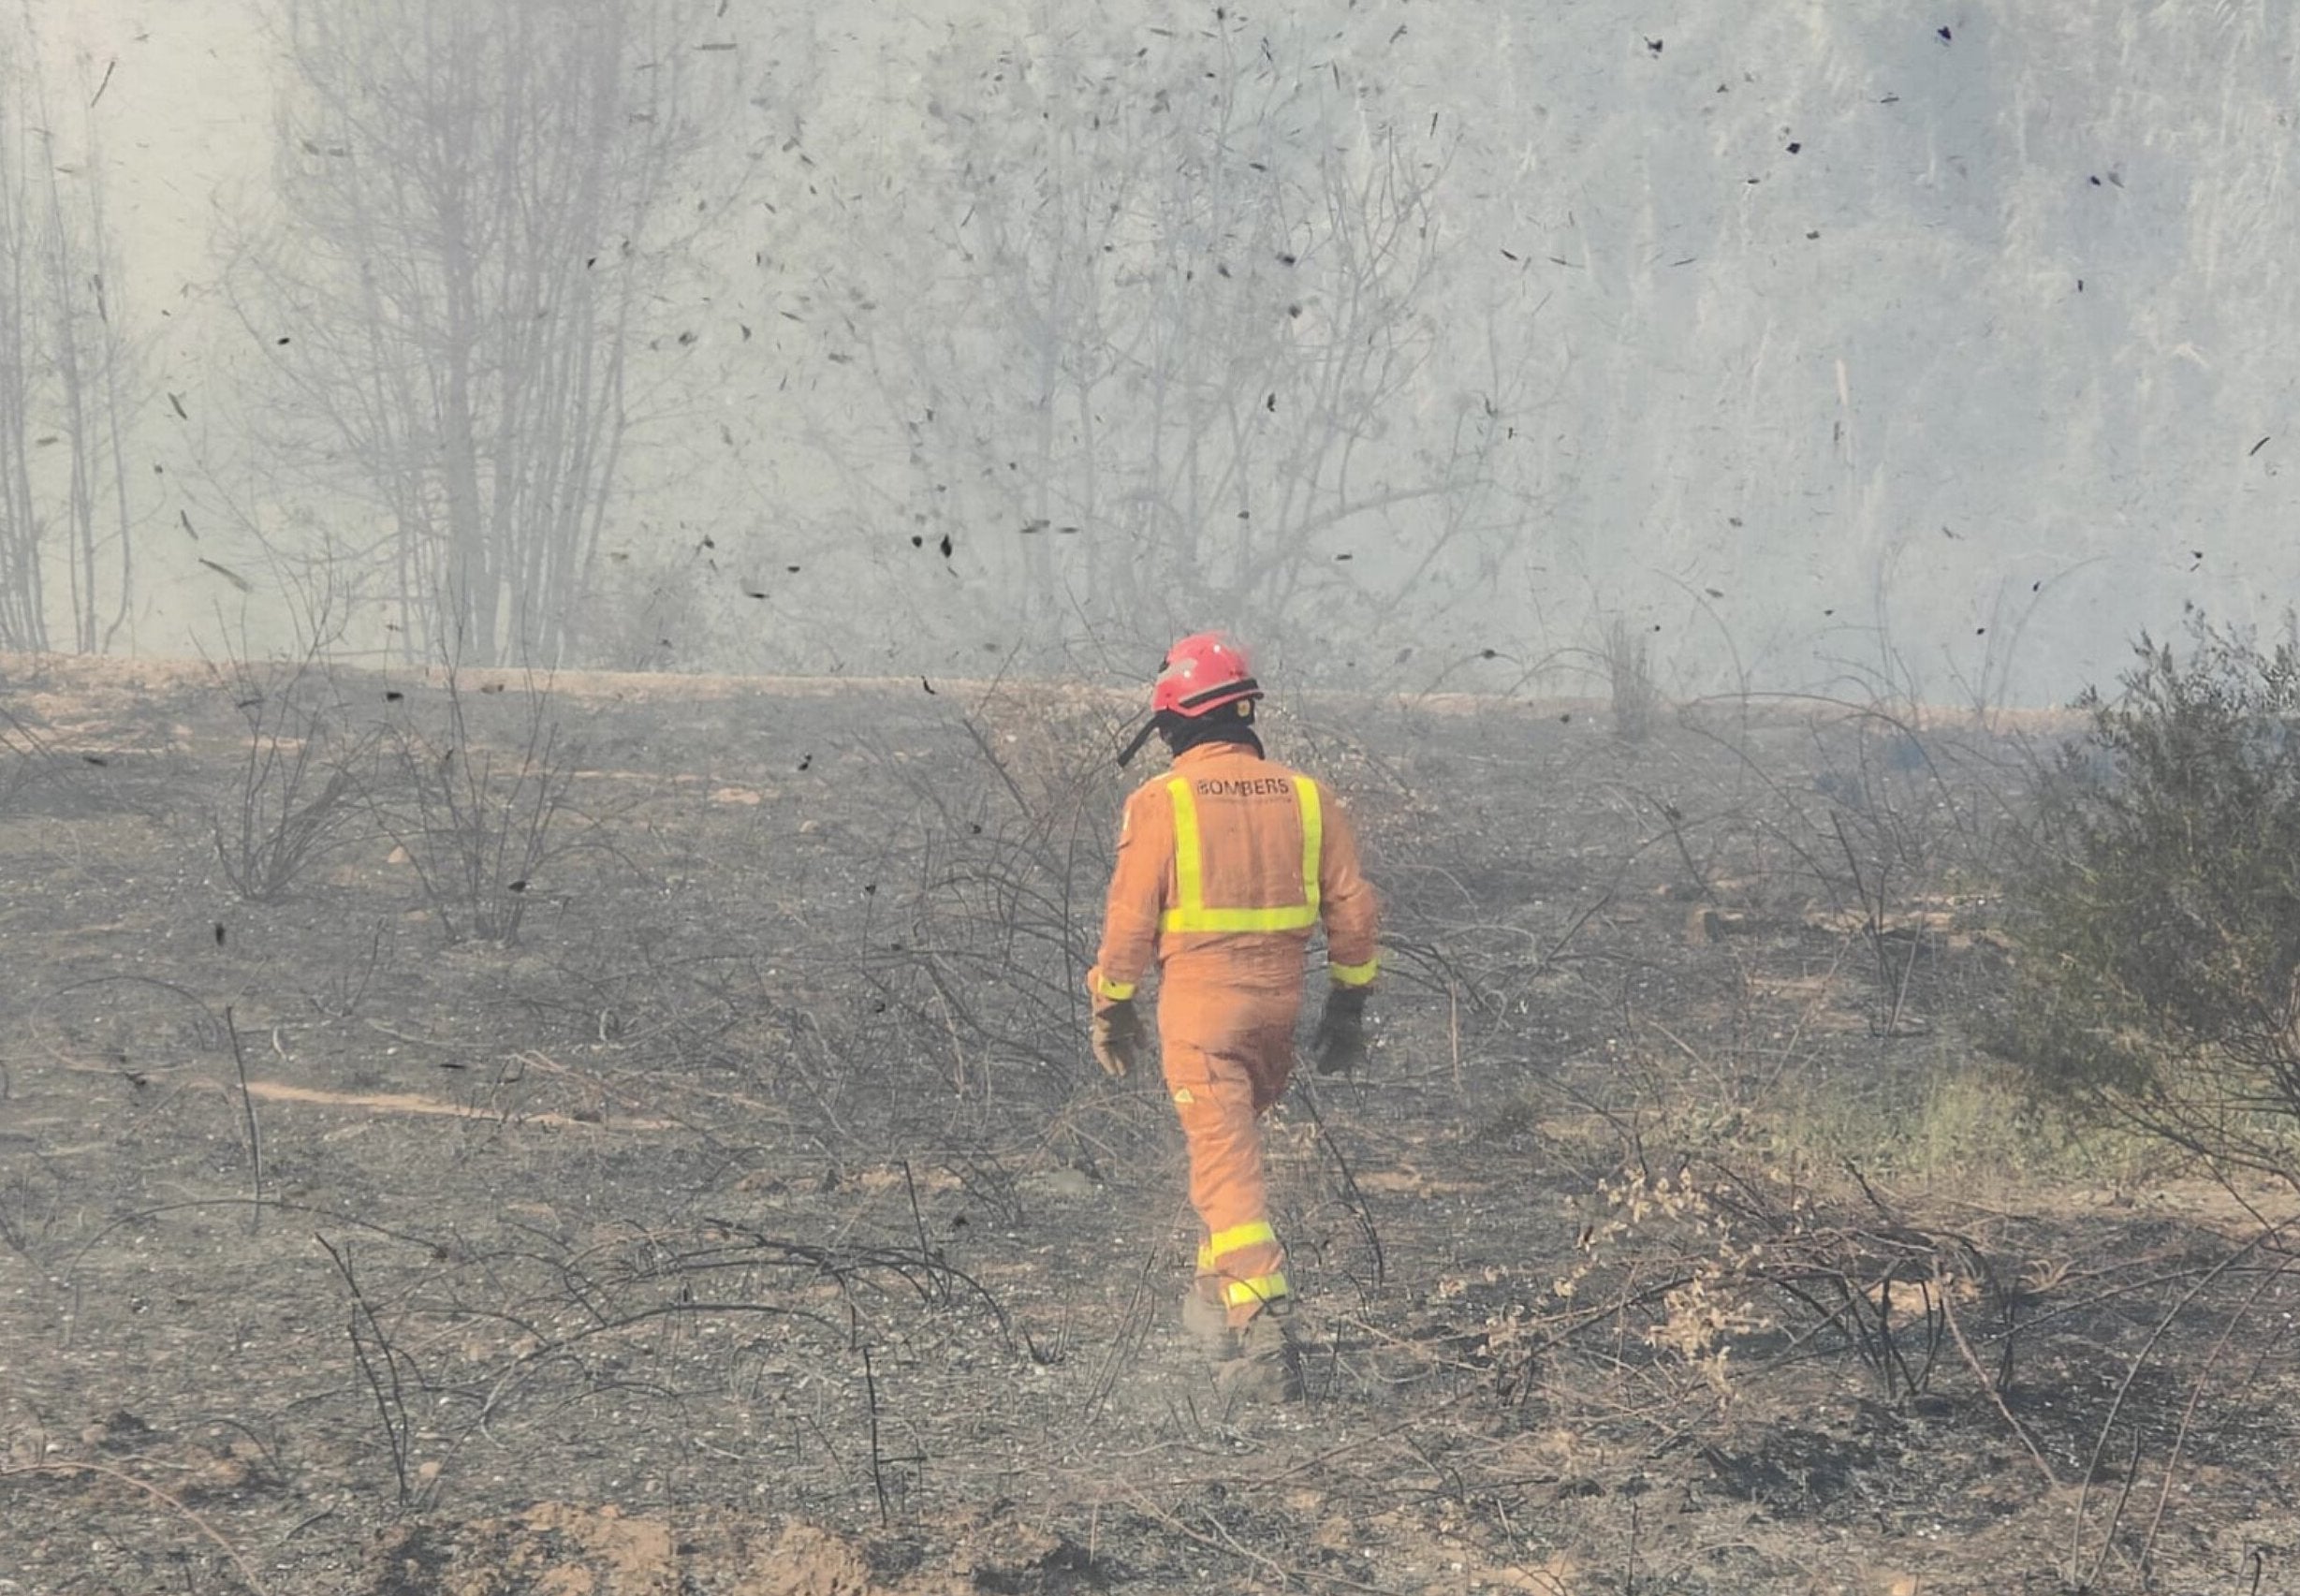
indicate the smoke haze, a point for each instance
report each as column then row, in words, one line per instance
column 1827, row 346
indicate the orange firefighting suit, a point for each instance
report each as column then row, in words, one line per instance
column 1224, row 867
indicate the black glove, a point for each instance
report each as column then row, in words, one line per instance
column 1340, row 1046
column 1117, row 1037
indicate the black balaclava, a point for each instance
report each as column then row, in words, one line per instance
column 1232, row 722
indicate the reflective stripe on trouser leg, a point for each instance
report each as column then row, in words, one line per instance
column 1226, row 1179
column 1215, row 1100
column 1204, row 1282
column 1254, row 1292
column 1221, row 1244
column 1219, row 1277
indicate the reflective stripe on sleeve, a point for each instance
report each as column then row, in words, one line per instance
column 1253, row 1233
column 1117, row 992
column 1262, row 1288
column 1355, row 974
column 1190, row 912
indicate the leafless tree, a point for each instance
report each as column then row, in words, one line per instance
column 66, row 373
column 468, row 191
column 1166, row 323
column 24, row 622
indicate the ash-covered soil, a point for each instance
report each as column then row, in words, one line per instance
column 745, row 1215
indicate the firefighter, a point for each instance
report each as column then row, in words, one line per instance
column 1224, row 868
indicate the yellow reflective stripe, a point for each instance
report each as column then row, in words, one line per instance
column 1355, row 974
column 1206, row 1257
column 1190, row 913
column 1117, row 992
column 1262, row 1288
column 1294, row 918
column 1188, row 853
column 1253, row 1233
column 1314, row 839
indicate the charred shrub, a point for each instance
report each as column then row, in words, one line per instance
column 979, row 976
column 478, row 822
column 2159, row 909
column 1635, row 697
column 295, row 791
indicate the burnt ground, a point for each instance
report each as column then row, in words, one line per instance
column 666, row 1162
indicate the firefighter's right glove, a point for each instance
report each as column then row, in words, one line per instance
column 1117, row 1036
column 1340, row 1046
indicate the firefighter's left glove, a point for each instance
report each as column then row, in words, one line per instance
column 1340, row 1046
column 1117, row 1037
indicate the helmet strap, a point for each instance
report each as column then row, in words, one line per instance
column 1126, row 755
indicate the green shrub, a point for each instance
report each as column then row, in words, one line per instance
column 2158, row 910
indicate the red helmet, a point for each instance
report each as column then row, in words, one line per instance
column 1202, row 673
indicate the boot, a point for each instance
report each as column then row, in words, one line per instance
column 1207, row 1322
column 1268, row 1365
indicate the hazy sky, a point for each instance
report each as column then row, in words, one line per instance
column 1859, row 331
column 188, row 111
